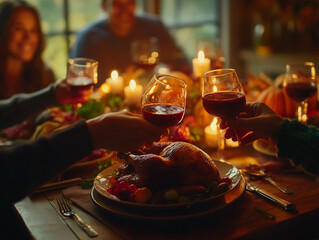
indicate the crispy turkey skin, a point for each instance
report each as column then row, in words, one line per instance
column 168, row 165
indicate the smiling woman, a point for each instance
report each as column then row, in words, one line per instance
column 22, row 69
column 24, row 35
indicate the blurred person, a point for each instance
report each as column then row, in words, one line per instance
column 109, row 40
column 28, row 164
column 21, row 45
column 295, row 141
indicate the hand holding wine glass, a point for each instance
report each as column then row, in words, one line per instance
column 222, row 94
column 81, row 76
column 164, row 101
column 300, row 84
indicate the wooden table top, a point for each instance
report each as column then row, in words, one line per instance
column 242, row 219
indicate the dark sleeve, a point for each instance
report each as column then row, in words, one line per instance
column 299, row 143
column 30, row 164
column 17, row 108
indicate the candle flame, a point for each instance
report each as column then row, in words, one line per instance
column 214, row 89
column 114, row 74
column 213, row 125
column 132, row 84
column 105, row 88
column 201, row 56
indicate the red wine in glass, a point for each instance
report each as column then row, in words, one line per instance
column 300, row 83
column 224, row 105
column 163, row 115
column 300, row 91
column 80, row 83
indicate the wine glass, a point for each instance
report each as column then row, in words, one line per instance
column 81, row 76
column 223, row 96
column 145, row 53
column 164, row 100
column 300, row 84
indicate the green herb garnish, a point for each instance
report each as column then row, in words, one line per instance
column 88, row 183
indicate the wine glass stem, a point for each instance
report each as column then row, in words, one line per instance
column 74, row 111
column 221, row 142
column 302, row 112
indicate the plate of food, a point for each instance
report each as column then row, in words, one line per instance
column 168, row 215
column 266, row 147
column 166, row 176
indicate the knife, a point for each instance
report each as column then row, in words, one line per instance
column 58, row 185
column 281, row 202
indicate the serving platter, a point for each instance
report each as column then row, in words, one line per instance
column 101, row 185
column 171, row 214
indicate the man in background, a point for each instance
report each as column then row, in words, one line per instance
column 109, row 40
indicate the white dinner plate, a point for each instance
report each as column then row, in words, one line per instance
column 265, row 147
column 101, row 185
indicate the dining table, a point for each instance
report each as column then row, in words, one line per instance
column 244, row 216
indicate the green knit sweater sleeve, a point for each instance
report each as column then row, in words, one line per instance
column 300, row 144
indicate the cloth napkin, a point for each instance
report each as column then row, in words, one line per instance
column 276, row 166
column 271, row 166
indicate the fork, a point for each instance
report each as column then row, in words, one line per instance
column 66, row 210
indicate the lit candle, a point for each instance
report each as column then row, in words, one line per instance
column 133, row 93
column 115, row 82
column 231, row 143
column 211, row 134
column 201, row 64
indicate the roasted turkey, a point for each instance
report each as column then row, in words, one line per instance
column 168, row 165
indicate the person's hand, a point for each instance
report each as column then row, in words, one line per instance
column 122, row 131
column 256, row 121
column 64, row 94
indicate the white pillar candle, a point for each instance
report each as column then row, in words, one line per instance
column 115, row 82
column 201, row 64
column 211, row 134
column 133, row 93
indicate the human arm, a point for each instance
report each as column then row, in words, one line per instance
column 125, row 131
column 257, row 120
column 296, row 141
column 299, row 143
column 29, row 164
column 17, row 108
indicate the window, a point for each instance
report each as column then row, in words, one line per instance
column 60, row 21
column 190, row 22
